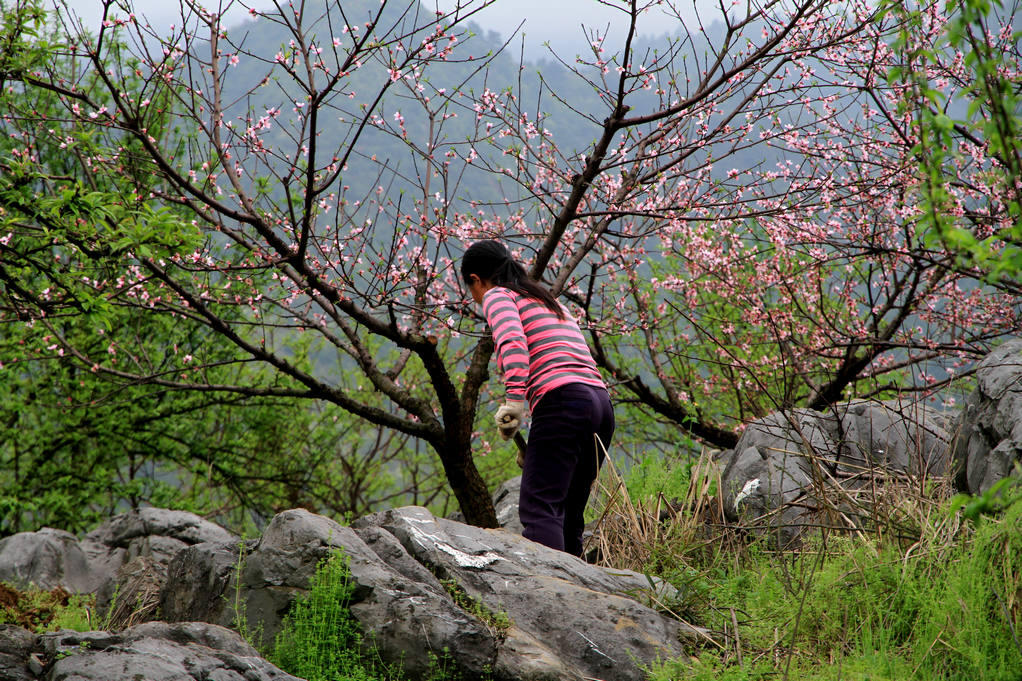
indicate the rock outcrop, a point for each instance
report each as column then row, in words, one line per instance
column 155, row 651
column 773, row 479
column 501, row 606
column 988, row 445
column 47, row 559
column 550, row 615
column 52, row 558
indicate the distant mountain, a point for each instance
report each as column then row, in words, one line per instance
column 266, row 38
column 570, row 108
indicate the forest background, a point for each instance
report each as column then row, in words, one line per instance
column 229, row 255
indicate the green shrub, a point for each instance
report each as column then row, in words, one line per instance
column 321, row 640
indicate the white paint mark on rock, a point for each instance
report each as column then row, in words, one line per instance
column 427, row 540
column 466, row 560
column 594, row 647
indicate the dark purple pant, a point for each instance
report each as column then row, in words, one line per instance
column 561, row 462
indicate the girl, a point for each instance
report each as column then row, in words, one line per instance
column 545, row 361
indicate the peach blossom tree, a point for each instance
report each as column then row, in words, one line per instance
column 747, row 234
column 739, row 234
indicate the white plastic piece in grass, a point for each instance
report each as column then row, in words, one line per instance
column 750, row 488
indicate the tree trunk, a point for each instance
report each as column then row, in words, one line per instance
column 467, row 484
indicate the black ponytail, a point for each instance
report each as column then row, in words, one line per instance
column 490, row 261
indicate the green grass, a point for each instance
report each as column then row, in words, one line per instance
column 941, row 599
column 972, row 631
column 653, row 476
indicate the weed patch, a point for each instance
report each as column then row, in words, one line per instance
column 41, row 610
column 497, row 622
column 321, row 640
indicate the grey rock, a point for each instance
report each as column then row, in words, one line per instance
column 773, row 479
column 550, row 615
column 301, row 528
column 46, row 559
column 903, row 436
column 49, row 558
column 155, row 651
column 153, row 533
column 762, row 487
column 125, row 530
column 18, row 659
column 988, row 446
column 505, row 502
column 198, row 586
column 768, row 472
column 568, row 618
column 394, row 596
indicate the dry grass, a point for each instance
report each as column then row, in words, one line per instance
column 868, row 503
column 138, row 596
column 636, row 533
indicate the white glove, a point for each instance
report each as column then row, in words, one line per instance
column 509, row 418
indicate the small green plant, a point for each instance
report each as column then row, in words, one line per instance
column 321, row 640
column 253, row 637
column 442, row 667
column 75, row 615
column 497, row 622
column 106, row 618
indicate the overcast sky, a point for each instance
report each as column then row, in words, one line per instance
column 555, row 21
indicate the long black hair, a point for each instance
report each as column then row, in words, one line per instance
column 490, row 261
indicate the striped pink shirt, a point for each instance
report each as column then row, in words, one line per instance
column 536, row 351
